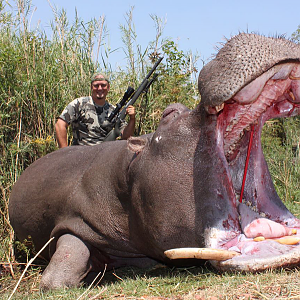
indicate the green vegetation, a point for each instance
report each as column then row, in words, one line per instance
column 39, row 76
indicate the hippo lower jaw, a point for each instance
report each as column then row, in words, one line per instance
column 276, row 93
column 270, row 255
column 254, row 255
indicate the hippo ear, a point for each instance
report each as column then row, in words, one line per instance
column 136, row 144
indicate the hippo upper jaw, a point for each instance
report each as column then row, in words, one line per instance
column 243, row 59
column 274, row 94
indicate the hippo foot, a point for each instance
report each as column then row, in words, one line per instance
column 69, row 264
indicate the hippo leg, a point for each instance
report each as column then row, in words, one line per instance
column 69, row 264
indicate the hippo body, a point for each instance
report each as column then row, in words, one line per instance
column 127, row 202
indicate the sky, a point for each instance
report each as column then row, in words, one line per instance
column 197, row 26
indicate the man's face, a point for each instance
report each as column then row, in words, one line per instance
column 100, row 88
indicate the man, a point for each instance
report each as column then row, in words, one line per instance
column 87, row 115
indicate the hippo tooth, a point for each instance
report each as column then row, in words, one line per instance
column 292, row 95
column 231, row 125
column 200, row 253
column 294, row 78
column 219, row 107
column 212, row 110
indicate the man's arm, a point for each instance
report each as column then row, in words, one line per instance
column 61, row 128
column 129, row 129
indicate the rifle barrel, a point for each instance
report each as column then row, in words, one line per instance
column 154, row 67
column 144, row 85
column 126, row 96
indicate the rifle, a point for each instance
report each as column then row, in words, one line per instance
column 143, row 87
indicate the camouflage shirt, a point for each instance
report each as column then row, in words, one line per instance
column 86, row 119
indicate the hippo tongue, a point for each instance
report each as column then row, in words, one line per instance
column 267, row 229
column 253, row 225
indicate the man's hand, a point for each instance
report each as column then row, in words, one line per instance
column 129, row 129
column 130, row 110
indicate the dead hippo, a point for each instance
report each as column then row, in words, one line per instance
column 127, row 202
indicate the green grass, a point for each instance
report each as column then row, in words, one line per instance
column 185, row 283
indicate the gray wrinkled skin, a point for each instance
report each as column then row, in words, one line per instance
column 126, row 202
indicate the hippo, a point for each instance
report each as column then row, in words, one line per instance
column 198, row 183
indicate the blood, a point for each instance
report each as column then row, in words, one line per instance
column 247, row 162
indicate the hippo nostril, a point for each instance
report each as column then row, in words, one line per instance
column 168, row 112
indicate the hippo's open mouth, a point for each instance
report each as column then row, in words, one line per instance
column 266, row 235
column 257, row 227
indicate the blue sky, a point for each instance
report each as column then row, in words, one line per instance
column 198, row 26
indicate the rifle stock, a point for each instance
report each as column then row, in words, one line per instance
column 114, row 133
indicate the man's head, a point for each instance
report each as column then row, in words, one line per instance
column 100, row 87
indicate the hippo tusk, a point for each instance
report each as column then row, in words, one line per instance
column 200, row 253
column 212, row 110
column 286, row 240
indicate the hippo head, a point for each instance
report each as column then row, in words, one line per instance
column 252, row 79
